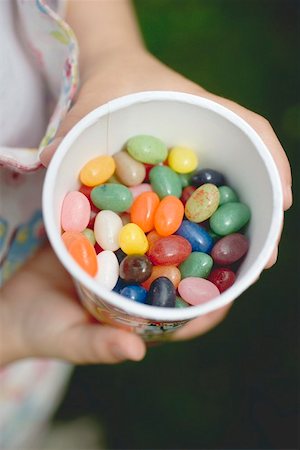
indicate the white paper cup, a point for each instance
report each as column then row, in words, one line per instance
column 223, row 141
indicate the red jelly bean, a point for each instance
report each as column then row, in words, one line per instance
column 222, row 277
column 168, row 215
column 230, row 249
column 186, row 193
column 170, row 250
column 86, row 190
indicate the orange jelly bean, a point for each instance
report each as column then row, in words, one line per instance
column 171, row 272
column 168, row 215
column 82, row 251
column 143, row 210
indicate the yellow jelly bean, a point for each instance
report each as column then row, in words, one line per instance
column 182, row 159
column 97, row 170
column 133, row 240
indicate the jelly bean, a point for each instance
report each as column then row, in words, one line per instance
column 202, row 203
column 143, row 209
column 125, row 217
column 168, row 215
column 139, row 189
column 162, row 293
column 165, row 182
column 136, row 293
column 196, row 290
column 170, row 250
column 107, row 228
column 148, row 167
column 120, row 255
column 147, row 149
column 115, row 197
column 133, row 240
column 204, row 176
column 180, row 303
column 222, row 277
column 86, row 190
column 198, row 237
column 135, row 268
column 171, row 272
column 182, row 160
column 114, row 180
column 227, row 195
column 186, row 193
column 93, row 216
column 75, row 212
column 81, row 250
column 198, row 264
column 98, row 248
column 89, row 234
column 108, row 269
column 229, row 218
column 97, row 170
column 230, row 249
column 129, row 171
column 152, row 237
column 119, row 286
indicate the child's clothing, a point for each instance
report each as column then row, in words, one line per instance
column 38, row 79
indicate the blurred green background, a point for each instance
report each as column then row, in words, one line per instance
column 237, row 386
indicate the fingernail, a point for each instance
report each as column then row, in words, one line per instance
column 48, row 151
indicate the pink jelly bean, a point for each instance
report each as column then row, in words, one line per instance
column 139, row 189
column 196, row 290
column 75, row 212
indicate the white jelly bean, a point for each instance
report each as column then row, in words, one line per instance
column 75, row 212
column 108, row 269
column 107, row 228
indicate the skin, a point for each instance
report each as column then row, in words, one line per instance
column 46, row 319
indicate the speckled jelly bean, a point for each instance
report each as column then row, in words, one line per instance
column 229, row 218
column 129, row 171
column 133, row 240
column 108, row 269
column 81, row 250
column 170, row 250
column 182, row 159
column 227, row 194
column 180, row 303
column 162, row 293
column 135, row 268
column 171, row 272
column 75, row 212
column 197, row 264
column 115, row 197
column 147, row 149
column 222, row 277
column 107, row 228
column 135, row 293
column 97, row 170
column 168, row 215
column 202, row 203
column 89, row 234
column 198, row 237
column 143, row 210
column 196, row 290
column 165, row 181
column 230, row 249
column 186, row 193
column 203, row 176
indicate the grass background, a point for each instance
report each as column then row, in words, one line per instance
column 235, row 387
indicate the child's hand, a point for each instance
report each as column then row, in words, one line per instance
column 40, row 317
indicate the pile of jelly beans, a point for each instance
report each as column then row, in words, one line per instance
column 152, row 225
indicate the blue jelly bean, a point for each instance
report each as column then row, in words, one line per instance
column 197, row 236
column 136, row 293
column 204, row 176
column 162, row 293
column 119, row 286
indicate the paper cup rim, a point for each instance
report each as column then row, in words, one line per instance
column 134, row 308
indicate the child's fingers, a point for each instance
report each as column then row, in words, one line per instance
column 94, row 344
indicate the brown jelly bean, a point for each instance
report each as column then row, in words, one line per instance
column 230, row 249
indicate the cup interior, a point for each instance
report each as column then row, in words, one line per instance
column 222, row 140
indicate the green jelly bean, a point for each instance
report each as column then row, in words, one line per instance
column 114, row 180
column 115, row 197
column 227, row 194
column 198, row 264
column 230, row 218
column 147, row 149
column 165, row 181
column 185, row 179
column 202, row 203
column 180, row 303
column 89, row 234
